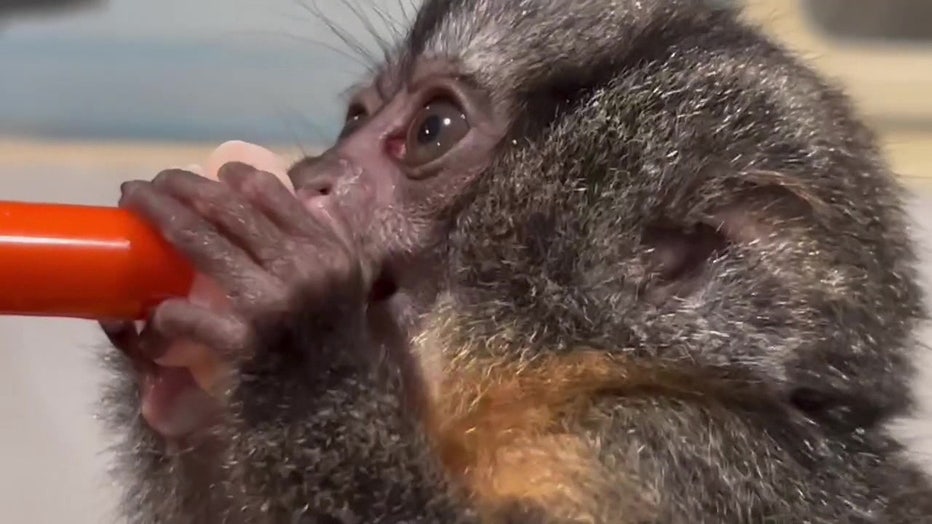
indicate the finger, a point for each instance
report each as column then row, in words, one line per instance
column 322, row 228
column 334, row 222
column 249, row 228
column 316, row 236
column 181, row 334
column 206, row 367
column 207, row 294
column 180, row 320
column 212, row 254
column 265, row 191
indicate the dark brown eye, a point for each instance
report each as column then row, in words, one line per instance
column 355, row 116
column 434, row 131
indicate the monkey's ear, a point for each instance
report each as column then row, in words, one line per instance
column 753, row 206
column 742, row 209
column 677, row 254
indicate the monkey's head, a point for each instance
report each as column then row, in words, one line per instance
column 644, row 177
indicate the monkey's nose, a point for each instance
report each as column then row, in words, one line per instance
column 321, row 186
column 315, row 191
column 314, row 176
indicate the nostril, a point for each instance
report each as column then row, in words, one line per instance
column 320, row 187
column 316, row 176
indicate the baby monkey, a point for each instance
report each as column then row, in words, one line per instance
column 609, row 261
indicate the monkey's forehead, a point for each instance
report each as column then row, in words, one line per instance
column 507, row 40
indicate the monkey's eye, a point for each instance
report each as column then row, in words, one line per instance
column 435, row 130
column 355, row 117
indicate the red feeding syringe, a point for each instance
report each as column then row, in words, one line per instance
column 84, row 262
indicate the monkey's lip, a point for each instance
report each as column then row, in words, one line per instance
column 383, row 288
column 172, row 403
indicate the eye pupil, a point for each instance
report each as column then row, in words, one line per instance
column 355, row 117
column 432, row 128
column 438, row 127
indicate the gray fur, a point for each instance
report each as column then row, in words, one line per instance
column 669, row 111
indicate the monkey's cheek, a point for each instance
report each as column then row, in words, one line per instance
column 173, row 405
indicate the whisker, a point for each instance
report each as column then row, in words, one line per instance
column 353, row 44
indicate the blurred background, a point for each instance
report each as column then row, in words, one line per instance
column 93, row 92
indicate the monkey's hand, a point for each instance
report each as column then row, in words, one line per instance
column 308, row 405
column 293, row 280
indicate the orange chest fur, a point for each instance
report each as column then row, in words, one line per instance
column 507, row 432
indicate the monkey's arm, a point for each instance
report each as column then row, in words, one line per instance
column 337, row 440
column 333, row 440
column 704, row 461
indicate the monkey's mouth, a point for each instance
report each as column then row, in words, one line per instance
column 383, row 288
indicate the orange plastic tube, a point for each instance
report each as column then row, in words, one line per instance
column 84, row 262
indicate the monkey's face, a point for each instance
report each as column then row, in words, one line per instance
column 408, row 150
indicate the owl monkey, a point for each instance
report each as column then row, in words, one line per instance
column 620, row 261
